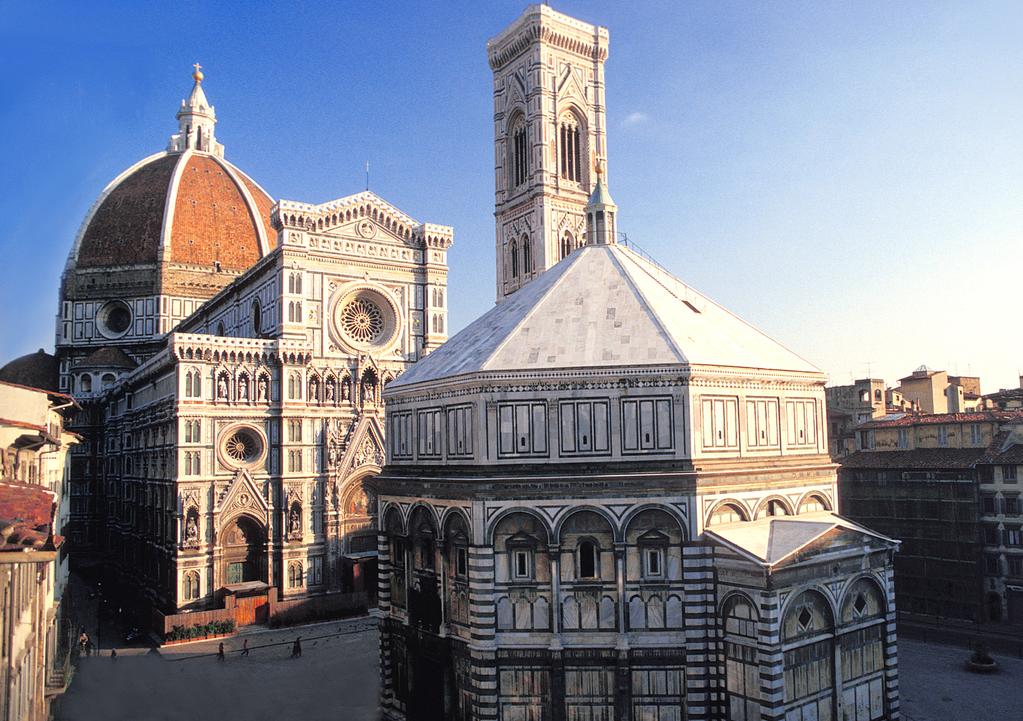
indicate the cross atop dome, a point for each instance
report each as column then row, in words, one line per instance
column 196, row 119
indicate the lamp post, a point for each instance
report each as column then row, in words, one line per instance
column 99, row 613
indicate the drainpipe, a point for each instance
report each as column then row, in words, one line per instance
column 10, row 639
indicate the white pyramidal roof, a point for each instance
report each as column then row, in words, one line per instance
column 604, row 306
column 772, row 540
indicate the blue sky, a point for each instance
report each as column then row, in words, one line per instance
column 846, row 176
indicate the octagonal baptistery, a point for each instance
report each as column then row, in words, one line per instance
column 162, row 238
column 608, row 367
column 570, row 482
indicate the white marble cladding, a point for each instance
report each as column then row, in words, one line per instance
column 295, row 294
column 151, row 316
column 549, row 129
column 366, row 213
column 655, row 415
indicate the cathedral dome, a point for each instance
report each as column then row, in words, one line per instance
column 183, row 207
column 186, row 206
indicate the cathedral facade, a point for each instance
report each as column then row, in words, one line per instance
column 230, row 352
column 608, row 497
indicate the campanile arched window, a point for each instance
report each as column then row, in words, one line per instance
column 518, row 156
column 566, row 244
column 570, row 148
column 513, row 251
column 527, row 256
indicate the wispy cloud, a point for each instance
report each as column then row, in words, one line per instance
column 635, row 118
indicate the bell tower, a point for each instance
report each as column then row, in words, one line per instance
column 549, row 135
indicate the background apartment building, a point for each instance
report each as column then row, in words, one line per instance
column 36, row 628
column 946, row 486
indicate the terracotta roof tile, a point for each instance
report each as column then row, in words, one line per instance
column 38, row 370
column 212, row 222
column 264, row 203
column 125, row 229
column 108, row 357
column 1013, row 455
column 26, row 517
column 939, row 418
column 23, row 424
column 919, row 458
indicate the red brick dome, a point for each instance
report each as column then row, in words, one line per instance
column 188, row 208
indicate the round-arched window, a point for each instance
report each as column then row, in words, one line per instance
column 589, row 559
column 257, row 318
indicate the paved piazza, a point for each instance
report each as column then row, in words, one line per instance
column 936, row 687
column 336, row 679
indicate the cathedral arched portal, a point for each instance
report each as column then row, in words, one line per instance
column 357, row 565
column 244, row 559
column 358, row 515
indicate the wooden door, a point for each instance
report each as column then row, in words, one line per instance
column 251, row 609
column 244, row 612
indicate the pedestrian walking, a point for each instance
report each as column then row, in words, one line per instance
column 245, row 647
column 113, row 654
column 220, row 652
column 296, row 649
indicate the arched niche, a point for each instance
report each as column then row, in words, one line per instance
column 586, row 538
column 727, row 512
column 653, row 550
column 521, row 548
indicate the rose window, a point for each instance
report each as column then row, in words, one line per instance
column 242, row 446
column 362, row 320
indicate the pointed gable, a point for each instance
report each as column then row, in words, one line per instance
column 776, row 540
column 242, row 495
column 365, row 448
